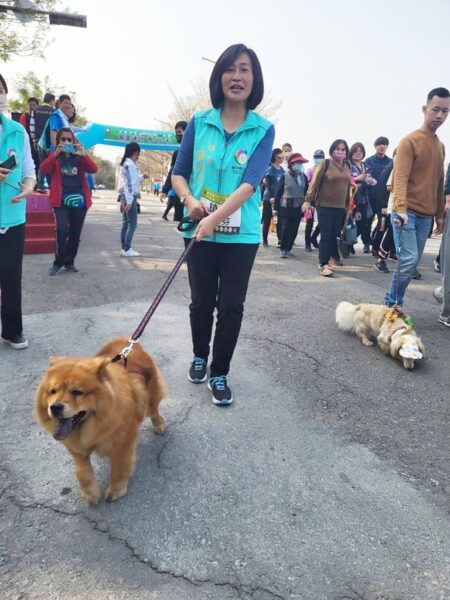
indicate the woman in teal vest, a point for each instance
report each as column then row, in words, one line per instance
column 220, row 165
column 16, row 182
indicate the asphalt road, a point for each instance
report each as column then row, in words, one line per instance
column 328, row 479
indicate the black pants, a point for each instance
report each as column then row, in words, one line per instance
column 383, row 244
column 174, row 202
column 330, row 223
column 290, row 222
column 265, row 220
column 364, row 223
column 11, row 255
column 218, row 278
column 311, row 235
column 69, row 223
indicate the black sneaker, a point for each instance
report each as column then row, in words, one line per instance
column 18, row 342
column 197, row 371
column 444, row 320
column 265, row 243
column 54, row 269
column 278, row 243
column 366, row 249
column 71, row 268
column 315, row 243
column 381, row 266
column 221, row 392
column 308, row 248
column 417, row 275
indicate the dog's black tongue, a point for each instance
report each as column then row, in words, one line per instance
column 63, row 429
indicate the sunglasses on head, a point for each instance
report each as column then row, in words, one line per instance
column 66, row 139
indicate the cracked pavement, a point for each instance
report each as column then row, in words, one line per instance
column 328, row 479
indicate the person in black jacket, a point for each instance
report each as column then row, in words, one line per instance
column 383, row 239
column 167, row 192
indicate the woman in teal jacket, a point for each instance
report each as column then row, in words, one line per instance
column 220, row 165
column 16, row 183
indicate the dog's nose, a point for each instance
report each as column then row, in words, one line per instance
column 57, row 409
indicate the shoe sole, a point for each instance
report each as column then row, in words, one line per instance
column 220, row 402
column 20, row 346
column 444, row 323
column 197, row 380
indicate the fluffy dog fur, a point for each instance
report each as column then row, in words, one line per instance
column 365, row 320
column 93, row 405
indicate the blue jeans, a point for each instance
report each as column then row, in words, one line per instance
column 409, row 243
column 129, row 224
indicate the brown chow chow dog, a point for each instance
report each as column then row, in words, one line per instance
column 91, row 404
column 395, row 335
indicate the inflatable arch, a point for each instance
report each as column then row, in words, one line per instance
column 112, row 135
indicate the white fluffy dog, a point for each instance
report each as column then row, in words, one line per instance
column 394, row 332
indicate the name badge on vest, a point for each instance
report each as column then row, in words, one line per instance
column 211, row 201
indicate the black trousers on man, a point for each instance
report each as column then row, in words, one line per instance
column 218, row 278
column 69, row 223
column 11, row 255
column 174, row 202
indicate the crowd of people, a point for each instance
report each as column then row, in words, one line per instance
column 226, row 158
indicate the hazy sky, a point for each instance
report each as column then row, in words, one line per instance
column 353, row 69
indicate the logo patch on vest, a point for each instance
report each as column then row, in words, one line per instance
column 241, row 157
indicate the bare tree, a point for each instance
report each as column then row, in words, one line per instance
column 184, row 106
column 155, row 163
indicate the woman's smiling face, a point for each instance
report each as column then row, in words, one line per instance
column 237, row 80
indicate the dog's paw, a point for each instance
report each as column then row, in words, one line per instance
column 113, row 495
column 93, row 495
column 367, row 343
column 159, row 425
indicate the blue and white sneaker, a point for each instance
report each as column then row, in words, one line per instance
column 197, row 371
column 221, row 392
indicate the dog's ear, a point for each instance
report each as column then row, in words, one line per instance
column 395, row 345
column 101, row 363
column 421, row 346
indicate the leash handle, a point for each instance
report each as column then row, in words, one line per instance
column 399, row 221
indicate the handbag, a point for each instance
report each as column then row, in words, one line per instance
column 348, row 236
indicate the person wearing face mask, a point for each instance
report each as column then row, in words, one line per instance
column 287, row 151
column 271, row 179
column 70, row 196
column 16, row 183
column 289, row 199
column 329, row 192
column 310, row 235
column 167, row 190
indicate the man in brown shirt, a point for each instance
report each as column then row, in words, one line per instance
column 418, row 192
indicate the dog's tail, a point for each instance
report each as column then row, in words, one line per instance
column 345, row 316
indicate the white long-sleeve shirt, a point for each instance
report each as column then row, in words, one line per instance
column 129, row 180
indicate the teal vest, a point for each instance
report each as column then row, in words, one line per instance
column 12, row 141
column 218, row 168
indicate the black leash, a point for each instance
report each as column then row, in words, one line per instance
column 399, row 221
column 186, row 224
